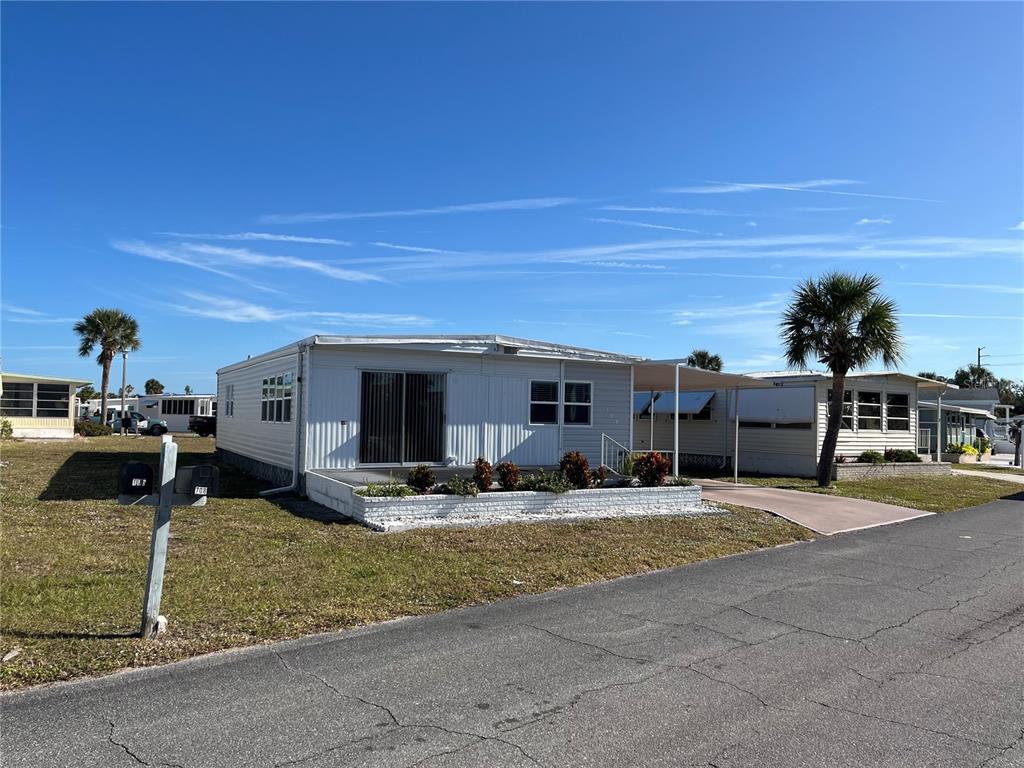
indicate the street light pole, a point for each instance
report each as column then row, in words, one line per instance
column 124, row 385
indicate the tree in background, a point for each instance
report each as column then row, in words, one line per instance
column 932, row 375
column 86, row 393
column 974, row 376
column 701, row 358
column 109, row 330
column 843, row 322
column 153, row 387
column 128, row 390
column 188, row 390
column 1012, row 393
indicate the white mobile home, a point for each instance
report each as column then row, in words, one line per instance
column 781, row 429
column 348, row 402
column 39, row 406
column 176, row 409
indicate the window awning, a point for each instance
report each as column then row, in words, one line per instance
column 779, row 405
column 977, row 413
column 665, row 402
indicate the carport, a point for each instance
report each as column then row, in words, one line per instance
column 690, row 389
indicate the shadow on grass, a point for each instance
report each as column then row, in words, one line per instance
column 88, row 475
column 309, row 510
column 72, row 635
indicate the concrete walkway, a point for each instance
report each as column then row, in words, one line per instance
column 1007, row 476
column 822, row 514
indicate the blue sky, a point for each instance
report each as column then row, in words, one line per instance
column 640, row 178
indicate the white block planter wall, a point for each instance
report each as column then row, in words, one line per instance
column 388, row 514
column 855, row 471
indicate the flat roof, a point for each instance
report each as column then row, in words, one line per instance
column 479, row 344
column 825, row 376
column 34, row 377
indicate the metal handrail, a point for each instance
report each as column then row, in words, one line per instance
column 620, row 454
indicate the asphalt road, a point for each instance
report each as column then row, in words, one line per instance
column 899, row 646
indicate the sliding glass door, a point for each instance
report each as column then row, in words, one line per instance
column 402, row 418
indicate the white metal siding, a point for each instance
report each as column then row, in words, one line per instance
column 244, row 433
column 488, row 405
column 853, row 442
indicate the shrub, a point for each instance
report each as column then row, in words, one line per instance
column 551, row 482
column 508, row 476
column 458, row 486
column 651, row 469
column 678, row 480
column 600, row 476
column 389, row 489
column 901, row 455
column 6, row 430
column 961, row 449
column 576, row 469
column 482, row 474
column 422, row 478
column 983, row 444
column 92, row 429
column 871, row 457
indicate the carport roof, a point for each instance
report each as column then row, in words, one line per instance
column 660, row 376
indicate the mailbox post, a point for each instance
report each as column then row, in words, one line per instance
column 188, row 486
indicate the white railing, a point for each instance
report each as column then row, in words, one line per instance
column 924, row 441
column 613, row 454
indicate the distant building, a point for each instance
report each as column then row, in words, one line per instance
column 39, row 406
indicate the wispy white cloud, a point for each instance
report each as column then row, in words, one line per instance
column 865, row 222
column 751, row 223
column 756, row 362
column 626, row 265
column 822, row 208
column 669, row 209
column 944, row 316
column 972, row 287
column 643, row 225
column 811, row 185
column 213, row 259
column 18, row 314
column 1019, row 227
column 238, row 311
column 524, row 204
column 770, row 306
column 265, row 236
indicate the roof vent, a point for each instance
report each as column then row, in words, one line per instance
column 510, row 350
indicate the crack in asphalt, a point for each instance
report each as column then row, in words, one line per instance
column 125, row 748
column 398, row 724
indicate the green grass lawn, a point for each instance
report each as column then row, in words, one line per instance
column 929, row 494
column 991, row 468
column 244, row 570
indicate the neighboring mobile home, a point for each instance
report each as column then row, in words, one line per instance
column 362, row 402
column 781, row 429
column 39, row 406
column 169, row 407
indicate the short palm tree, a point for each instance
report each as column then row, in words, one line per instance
column 841, row 321
column 702, row 358
column 110, row 330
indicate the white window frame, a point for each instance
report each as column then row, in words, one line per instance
column 276, row 391
column 229, row 400
column 589, row 404
column 177, row 406
column 853, row 408
column 555, row 402
column 877, row 415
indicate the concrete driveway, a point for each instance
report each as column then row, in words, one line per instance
column 827, row 515
column 900, row 646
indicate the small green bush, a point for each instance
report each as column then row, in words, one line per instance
column 576, row 469
column 483, row 476
column 982, row 444
column 92, row 429
column 422, row 478
column 961, row 449
column 600, row 476
column 551, row 482
column 6, row 430
column 902, row 455
column 389, row 489
column 458, row 486
column 651, row 469
column 508, row 476
column 627, row 464
column 871, row 457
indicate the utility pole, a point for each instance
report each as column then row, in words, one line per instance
column 124, row 386
column 980, row 356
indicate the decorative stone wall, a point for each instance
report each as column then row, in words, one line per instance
column 389, row 514
column 855, row 471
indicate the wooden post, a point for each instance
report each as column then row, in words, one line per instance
column 158, row 543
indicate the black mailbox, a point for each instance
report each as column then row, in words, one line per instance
column 201, row 480
column 135, row 479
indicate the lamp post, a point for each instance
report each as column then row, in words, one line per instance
column 124, row 386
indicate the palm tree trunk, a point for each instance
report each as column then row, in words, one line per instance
column 105, row 386
column 835, row 419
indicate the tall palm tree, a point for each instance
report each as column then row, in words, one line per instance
column 701, row 358
column 841, row 321
column 111, row 330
